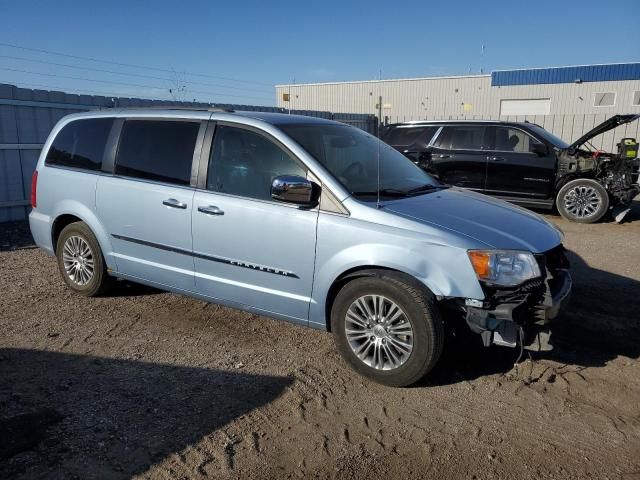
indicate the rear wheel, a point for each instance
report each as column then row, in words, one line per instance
column 582, row 201
column 387, row 328
column 80, row 260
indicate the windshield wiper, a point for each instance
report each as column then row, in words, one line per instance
column 427, row 187
column 387, row 192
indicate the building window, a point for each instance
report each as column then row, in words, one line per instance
column 604, row 99
column 636, row 99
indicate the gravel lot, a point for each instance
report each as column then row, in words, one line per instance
column 155, row 385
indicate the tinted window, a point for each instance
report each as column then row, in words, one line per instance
column 157, row 150
column 245, row 163
column 404, row 136
column 80, row 144
column 351, row 156
column 514, row 140
column 463, row 137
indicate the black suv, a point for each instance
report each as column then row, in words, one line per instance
column 525, row 164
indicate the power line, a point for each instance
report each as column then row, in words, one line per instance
column 97, row 92
column 157, row 69
column 139, row 85
column 138, row 75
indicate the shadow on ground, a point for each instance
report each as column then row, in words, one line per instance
column 600, row 323
column 74, row 416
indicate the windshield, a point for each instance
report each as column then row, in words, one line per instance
column 351, row 155
column 548, row 136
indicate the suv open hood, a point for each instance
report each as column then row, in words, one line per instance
column 605, row 126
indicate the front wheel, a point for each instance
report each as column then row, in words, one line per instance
column 387, row 328
column 583, row 201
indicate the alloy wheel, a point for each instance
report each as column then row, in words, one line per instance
column 582, row 201
column 379, row 332
column 77, row 258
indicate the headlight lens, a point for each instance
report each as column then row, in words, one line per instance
column 507, row 268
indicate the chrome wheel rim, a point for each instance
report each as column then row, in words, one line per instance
column 77, row 258
column 582, row 201
column 379, row 332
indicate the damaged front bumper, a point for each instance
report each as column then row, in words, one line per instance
column 521, row 316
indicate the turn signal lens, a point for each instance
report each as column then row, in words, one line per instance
column 481, row 262
column 34, row 189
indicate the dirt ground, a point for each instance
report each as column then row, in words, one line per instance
column 154, row 385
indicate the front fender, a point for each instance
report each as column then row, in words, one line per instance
column 444, row 270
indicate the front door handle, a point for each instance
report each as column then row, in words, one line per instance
column 211, row 210
column 443, row 156
column 497, row 159
column 173, row 203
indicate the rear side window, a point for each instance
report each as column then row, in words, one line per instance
column 463, row 137
column 157, row 150
column 80, row 144
column 402, row 136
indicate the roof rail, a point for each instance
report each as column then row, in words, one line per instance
column 211, row 108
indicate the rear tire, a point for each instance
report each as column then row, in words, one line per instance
column 80, row 261
column 398, row 345
column 582, row 201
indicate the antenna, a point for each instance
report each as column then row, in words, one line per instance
column 378, row 185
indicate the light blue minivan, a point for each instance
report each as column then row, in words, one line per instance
column 298, row 218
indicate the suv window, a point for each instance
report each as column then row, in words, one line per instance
column 404, row 136
column 514, row 140
column 80, row 144
column 157, row 150
column 463, row 137
column 245, row 163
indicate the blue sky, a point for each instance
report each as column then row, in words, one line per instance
column 263, row 43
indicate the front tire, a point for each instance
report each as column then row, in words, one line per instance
column 80, row 261
column 582, row 201
column 388, row 328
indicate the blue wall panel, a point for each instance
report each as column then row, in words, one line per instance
column 590, row 73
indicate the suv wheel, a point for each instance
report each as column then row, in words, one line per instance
column 582, row 201
column 80, row 260
column 387, row 328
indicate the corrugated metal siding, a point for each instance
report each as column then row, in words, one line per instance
column 587, row 73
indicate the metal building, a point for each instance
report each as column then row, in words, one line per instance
column 565, row 100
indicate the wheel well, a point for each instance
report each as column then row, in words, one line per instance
column 58, row 224
column 357, row 272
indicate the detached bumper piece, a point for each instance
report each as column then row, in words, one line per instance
column 509, row 317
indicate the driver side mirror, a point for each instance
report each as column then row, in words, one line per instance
column 540, row 149
column 295, row 189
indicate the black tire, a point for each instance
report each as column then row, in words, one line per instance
column 99, row 281
column 420, row 311
column 593, row 195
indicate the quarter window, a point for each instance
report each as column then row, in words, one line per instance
column 157, row 150
column 245, row 163
column 514, row 140
column 80, row 144
column 463, row 137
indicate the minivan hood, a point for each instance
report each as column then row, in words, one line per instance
column 605, row 126
column 493, row 222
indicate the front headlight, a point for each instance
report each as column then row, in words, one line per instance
column 506, row 268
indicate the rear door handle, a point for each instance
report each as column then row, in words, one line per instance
column 173, row 203
column 211, row 210
column 497, row 159
column 443, row 156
